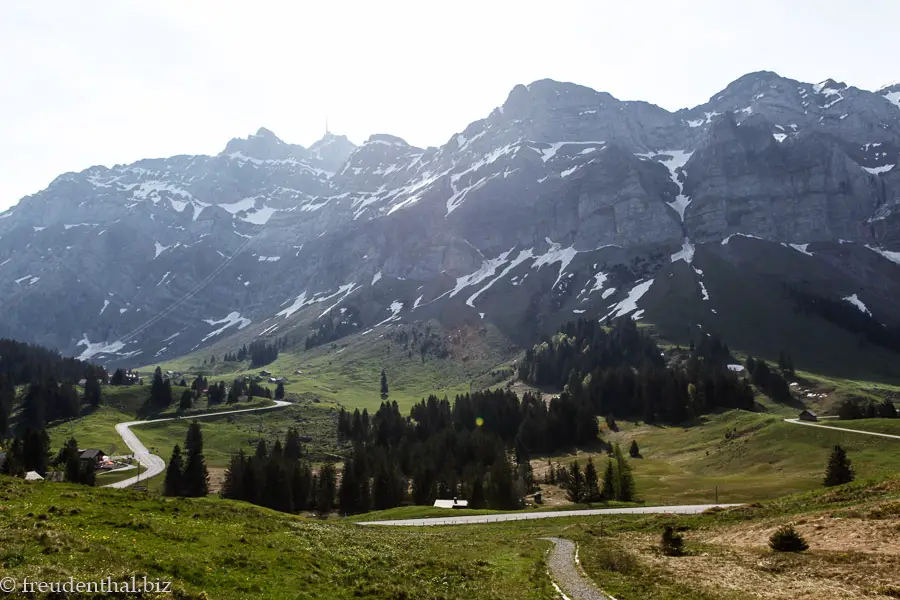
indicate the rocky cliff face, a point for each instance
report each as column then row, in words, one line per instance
column 564, row 201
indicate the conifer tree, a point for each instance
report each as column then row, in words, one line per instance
column 575, row 489
column 279, row 391
column 14, row 464
column 326, row 488
column 501, row 491
column 158, row 390
column 7, row 397
column 301, row 486
column 34, row 407
column 592, row 491
column 625, row 487
column 634, row 451
column 73, row 461
column 839, row 470
column 92, row 393
column 196, row 477
column 384, row 385
column 232, row 486
column 187, row 400
column 610, row 482
column 174, row 481
column 262, row 452
column 293, row 449
column 277, row 491
column 348, row 494
column 36, row 450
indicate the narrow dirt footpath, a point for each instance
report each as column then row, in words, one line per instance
column 566, row 575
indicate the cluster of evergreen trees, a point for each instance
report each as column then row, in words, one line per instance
column 29, row 451
column 850, row 409
column 188, row 476
column 160, row 391
column 263, row 353
column 621, row 371
column 24, row 363
column 334, row 326
column 281, row 478
column 770, row 381
column 586, row 486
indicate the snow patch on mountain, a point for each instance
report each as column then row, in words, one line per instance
column 105, row 304
column 233, row 318
column 746, row 235
column 159, row 250
column 879, row 170
column 686, row 253
column 855, row 301
column 888, row 254
column 522, row 257
column 94, row 349
column 673, row 161
column 375, row 278
column 555, row 254
column 629, row 304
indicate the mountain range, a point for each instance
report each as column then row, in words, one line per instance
column 764, row 215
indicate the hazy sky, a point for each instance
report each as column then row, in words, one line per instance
column 106, row 82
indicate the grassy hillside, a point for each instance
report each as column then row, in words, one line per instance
column 226, row 434
column 748, row 456
column 230, row 550
column 348, row 371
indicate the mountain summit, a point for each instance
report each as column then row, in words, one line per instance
column 564, row 202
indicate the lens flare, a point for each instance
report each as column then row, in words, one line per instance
column 479, row 421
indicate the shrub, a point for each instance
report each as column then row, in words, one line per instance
column 786, row 539
column 672, row 542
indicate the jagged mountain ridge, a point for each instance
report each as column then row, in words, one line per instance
column 532, row 215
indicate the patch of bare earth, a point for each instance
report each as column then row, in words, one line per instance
column 848, row 558
column 216, row 479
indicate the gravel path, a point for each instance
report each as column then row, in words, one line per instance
column 566, row 574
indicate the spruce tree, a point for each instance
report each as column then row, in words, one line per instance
column 279, row 391
column 196, row 477
column 592, row 491
column 187, row 400
column 88, row 473
column 839, row 470
column 232, row 486
column 634, row 451
column 36, row 450
column 384, row 385
column 575, row 488
column 157, row 390
column 610, row 482
column 348, row 494
column 7, row 397
column 277, row 490
column 92, row 393
column 293, row 449
column 174, row 481
column 301, row 484
column 14, row 465
column 34, row 407
column 625, row 486
column 501, row 491
column 73, row 461
column 326, row 488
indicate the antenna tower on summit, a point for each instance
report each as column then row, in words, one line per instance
column 326, row 126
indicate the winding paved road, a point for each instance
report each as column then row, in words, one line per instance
column 155, row 464
column 686, row 509
column 567, row 578
column 875, row 433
